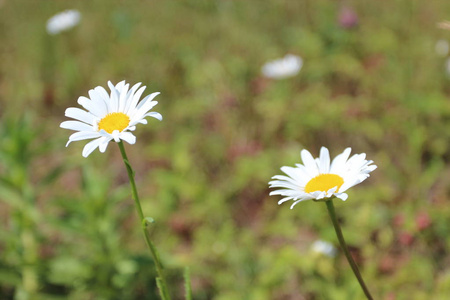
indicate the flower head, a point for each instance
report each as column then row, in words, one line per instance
column 63, row 21
column 319, row 179
column 447, row 66
column 323, row 247
column 347, row 17
column 443, row 25
column 442, row 47
column 109, row 117
column 285, row 67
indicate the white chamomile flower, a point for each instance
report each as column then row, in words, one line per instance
column 442, row 48
column 285, row 67
column 447, row 66
column 109, row 117
column 323, row 247
column 319, row 179
column 63, row 21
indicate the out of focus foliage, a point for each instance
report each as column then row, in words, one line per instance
column 68, row 226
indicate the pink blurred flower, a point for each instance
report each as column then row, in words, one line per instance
column 423, row 221
column 347, row 17
column 405, row 238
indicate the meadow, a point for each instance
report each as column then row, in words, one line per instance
column 380, row 85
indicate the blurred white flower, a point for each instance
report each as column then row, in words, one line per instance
column 318, row 178
column 109, row 117
column 442, row 48
column 447, row 66
column 285, row 67
column 443, row 25
column 63, row 21
column 325, row 248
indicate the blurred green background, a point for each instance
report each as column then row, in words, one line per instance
column 68, row 225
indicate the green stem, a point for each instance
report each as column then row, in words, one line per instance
column 30, row 277
column 187, row 284
column 160, row 281
column 344, row 247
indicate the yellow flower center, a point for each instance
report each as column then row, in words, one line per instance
column 114, row 121
column 324, row 182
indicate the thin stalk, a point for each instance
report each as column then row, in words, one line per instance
column 160, row 280
column 344, row 247
column 187, row 284
column 30, row 279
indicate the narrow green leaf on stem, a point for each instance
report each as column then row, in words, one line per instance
column 162, row 291
column 148, row 221
column 340, row 236
column 187, row 284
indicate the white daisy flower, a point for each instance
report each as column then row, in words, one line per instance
column 63, row 21
column 447, row 66
column 109, row 117
column 442, row 48
column 317, row 179
column 285, row 67
column 323, row 247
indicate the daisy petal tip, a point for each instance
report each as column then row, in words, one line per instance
column 294, row 204
column 324, row 149
column 131, row 140
column 342, row 196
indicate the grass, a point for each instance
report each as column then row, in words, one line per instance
column 202, row 173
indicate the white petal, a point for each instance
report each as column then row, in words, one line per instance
column 309, row 163
column 324, row 161
column 331, row 191
column 92, row 107
column 155, row 115
column 104, row 144
column 130, row 96
column 139, row 121
column 76, row 125
column 82, row 135
column 128, row 137
column 132, row 104
column 98, row 100
column 284, row 184
column 283, row 178
column 102, row 94
column 296, row 174
column 120, row 86
column 116, row 136
column 284, row 200
column 340, row 160
column 113, row 98
column 296, row 202
column 342, row 196
column 147, row 101
column 80, row 115
column 90, row 147
column 123, row 98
